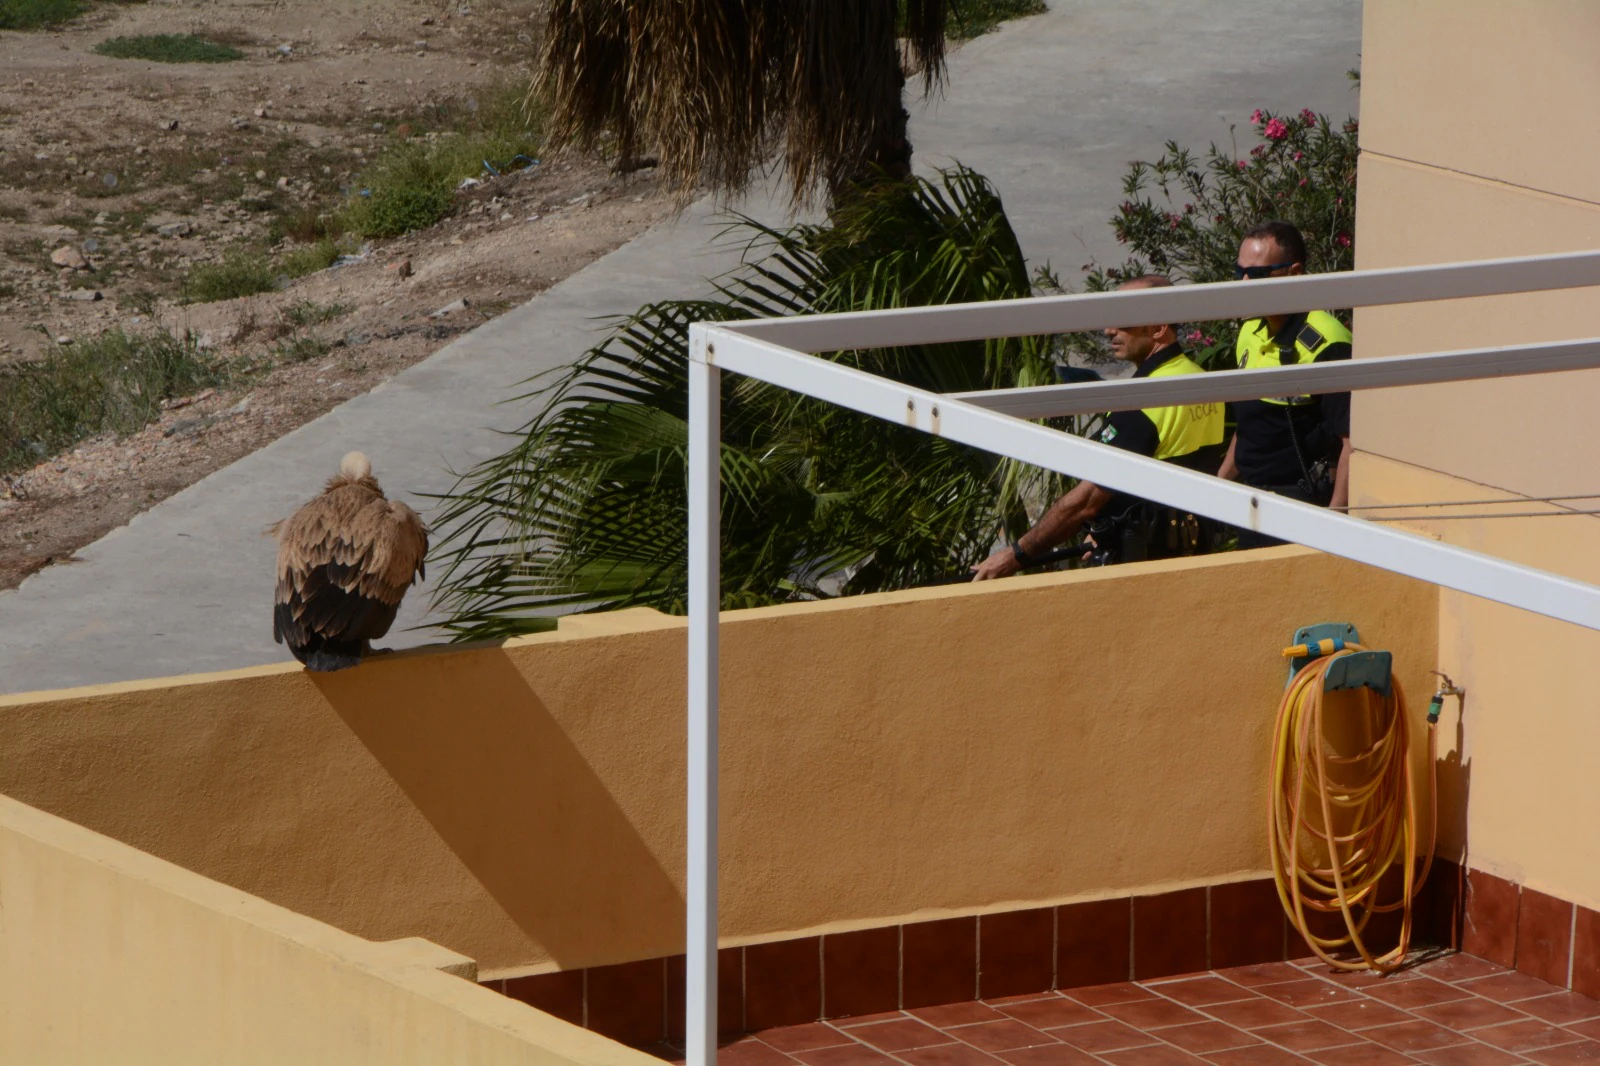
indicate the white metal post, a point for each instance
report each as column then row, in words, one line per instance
column 705, row 565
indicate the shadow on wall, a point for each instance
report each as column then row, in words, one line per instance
column 484, row 761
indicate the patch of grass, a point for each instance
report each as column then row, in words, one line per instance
column 974, row 18
column 310, row 313
column 7, row 290
column 169, row 48
column 14, row 212
column 113, row 383
column 38, row 14
column 306, row 223
column 310, row 258
column 240, row 274
column 412, row 185
column 302, row 348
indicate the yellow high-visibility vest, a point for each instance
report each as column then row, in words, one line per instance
column 1183, row 430
column 1257, row 347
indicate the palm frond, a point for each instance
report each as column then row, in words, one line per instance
column 587, row 509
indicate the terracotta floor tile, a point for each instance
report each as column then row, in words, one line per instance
column 947, row 1055
column 1524, row 1036
column 848, row 1055
column 1049, row 1055
column 1590, row 1029
column 1200, row 991
column 1265, row 973
column 901, row 1035
column 1417, row 992
column 804, row 1037
column 1260, row 1055
column 866, row 1019
column 1311, row 992
column 1007, row 1035
column 1202, row 1037
column 1561, row 1007
column 1414, row 1036
column 1159, row 1055
column 1308, row 1035
column 1586, row 1051
column 752, row 1053
column 1356, row 978
column 1360, row 1013
column 1459, row 967
column 1470, row 1055
column 1051, row 1012
column 1025, row 997
column 957, row 1014
column 1509, row 987
column 1100, row 1037
column 1152, row 1014
column 1100, row 995
column 1365, row 1053
column 1254, row 1013
column 1474, row 1012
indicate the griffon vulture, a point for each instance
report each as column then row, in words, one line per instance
column 345, row 561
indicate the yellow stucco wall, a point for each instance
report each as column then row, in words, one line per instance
column 911, row 754
column 1481, row 138
column 114, row 956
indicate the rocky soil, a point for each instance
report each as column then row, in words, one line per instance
column 118, row 178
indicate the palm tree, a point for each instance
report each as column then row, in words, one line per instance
column 588, row 509
column 718, row 88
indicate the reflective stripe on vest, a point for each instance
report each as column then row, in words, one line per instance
column 1257, row 348
column 1186, row 429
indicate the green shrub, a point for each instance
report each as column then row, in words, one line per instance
column 413, row 184
column 240, row 274
column 310, row 258
column 309, row 313
column 168, row 48
column 302, row 349
column 1184, row 216
column 973, row 18
column 114, row 383
column 37, row 14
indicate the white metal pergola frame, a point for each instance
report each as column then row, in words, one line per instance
column 779, row 351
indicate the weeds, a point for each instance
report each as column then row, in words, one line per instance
column 302, row 348
column 240, row 274
column 168, row 48
column 38, row 14
column 310, row 258
column 974, row 18
column 114, row 383
column 310, row 313
column 413, row 184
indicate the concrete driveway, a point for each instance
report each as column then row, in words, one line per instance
column 1050, row 108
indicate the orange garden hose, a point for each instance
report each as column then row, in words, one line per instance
column 1344, row 811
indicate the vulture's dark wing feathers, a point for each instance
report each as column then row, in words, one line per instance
column 345, row 561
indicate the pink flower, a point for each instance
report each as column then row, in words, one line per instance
column 1342, row 240
column 1308, row 116
column 1276, row 130
column 1242, row 163
column 1258, row 149
column 1255, row 117
column 1299, row 156
column 1302, row 183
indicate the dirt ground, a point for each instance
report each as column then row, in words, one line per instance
column 147, row 170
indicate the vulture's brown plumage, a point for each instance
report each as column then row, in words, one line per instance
column 345, row 561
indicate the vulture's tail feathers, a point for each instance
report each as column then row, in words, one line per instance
column 334, row 655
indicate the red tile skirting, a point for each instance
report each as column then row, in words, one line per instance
column 1075, row 945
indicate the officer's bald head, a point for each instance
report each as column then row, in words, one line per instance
column 1149, row 281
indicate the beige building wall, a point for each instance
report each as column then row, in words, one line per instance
column 1481, row 138
column 113, row 956
column 914, row 754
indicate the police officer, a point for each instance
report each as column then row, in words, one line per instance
column 1297, row 446
column 1126, row 527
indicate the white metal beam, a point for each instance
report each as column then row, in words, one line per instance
column 1181, row 303
column 1129, row 394
column 1277, row 516
column 705, row 566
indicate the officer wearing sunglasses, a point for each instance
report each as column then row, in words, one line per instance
column 1297, row 446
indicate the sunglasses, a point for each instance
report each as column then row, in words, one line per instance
column 1240, row 271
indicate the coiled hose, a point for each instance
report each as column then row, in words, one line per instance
column 1343, row 811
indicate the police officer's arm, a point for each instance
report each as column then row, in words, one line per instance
column 1130, row 430
column 1335, row 426
column 1229, row 470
